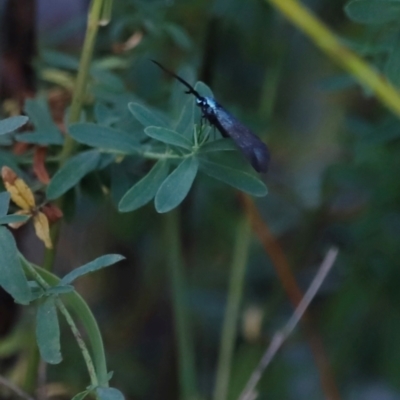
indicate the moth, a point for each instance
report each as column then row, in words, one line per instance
column 249, row 144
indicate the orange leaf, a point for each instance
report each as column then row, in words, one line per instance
column 41, row 224
column 39, row 167
column 19, row 191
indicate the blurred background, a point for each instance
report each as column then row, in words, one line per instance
column 332, row 181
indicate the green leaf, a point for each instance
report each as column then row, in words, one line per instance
column 10, row 160
column 46, row 132
column 168, row 136
column 59, row 289
column 95, row 265
column 12, row 278
column 48, row 332
column 13, row 218
column 176, row 186
column 235, row 177
column 72, row 172
column 4, row 203
column 185, row 124
column 59, row 59
column 36, row 291
column 147, row 117
column 144, row 190
column 205, row 91
column 373, row 11
column 105, row 138
column 108, row 79
column 12, row 124
column 81, row 395
column 218, row 145
column 109, row 394
column 104, row 115
column 179, row 36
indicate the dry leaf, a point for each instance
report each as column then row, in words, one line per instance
column 52, row 212
column 19, row 191
column 39, row 164
column 42, row 229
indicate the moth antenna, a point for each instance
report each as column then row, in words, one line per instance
column 190, row 87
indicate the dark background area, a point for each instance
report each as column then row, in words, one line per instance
column 333, row 180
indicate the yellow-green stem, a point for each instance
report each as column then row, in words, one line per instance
column 229, row 329
column 320, row 34
column 83, row 73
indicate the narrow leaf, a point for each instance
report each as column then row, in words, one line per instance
column 218, row 145
column 146, row 117
column 109, row 394
column 12, row 278
column 48, row 332
column 176, row 186
column 95, row 265
column 42, row 229
column 20, row 192
column 235, row 177
column 12, row 124
column 144, row 190
column 168, row 136
column 4, row 203
column 13, row 218
column 185, row 124
column 60, row 289
column 373, row 11
column 60, row 59
column 81, row 395
column 46, row 131
column 105, row 138
column 42, row 137
column 72, row 172
column 104, row 115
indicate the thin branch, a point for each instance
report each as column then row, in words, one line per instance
column 19, row 392
column 280, row 336
column 285, row 274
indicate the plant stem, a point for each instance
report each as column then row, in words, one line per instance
column 81, row 343
column 327, row 41
column 229, row 328
column 93, row 24
column 92, row 28
column 98, row 368
column 186, row 365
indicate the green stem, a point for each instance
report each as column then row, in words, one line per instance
column 66, row 152
column 83, row 73
column 81, row 343
column 186, row 364
column 42, row 282
column 83, row 312
column 229, row 329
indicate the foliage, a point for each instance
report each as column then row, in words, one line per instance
column 128, row 136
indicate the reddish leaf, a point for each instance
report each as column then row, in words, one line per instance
column 39, row 164
column 52, row 212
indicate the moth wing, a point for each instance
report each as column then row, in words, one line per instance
column 253, row 148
